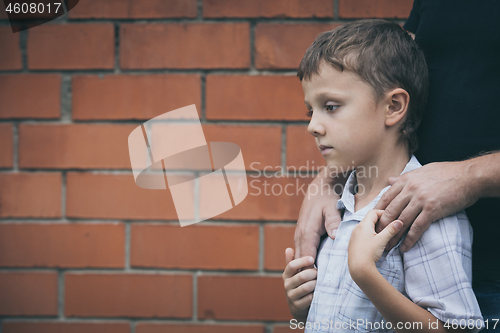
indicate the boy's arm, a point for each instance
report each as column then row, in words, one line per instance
column 393, row 305
column 428, row 271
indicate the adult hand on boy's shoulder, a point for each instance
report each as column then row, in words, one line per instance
column 419, row 197
column 318, row 214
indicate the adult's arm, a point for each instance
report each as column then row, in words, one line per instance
column 436, row 190
column 318, row 214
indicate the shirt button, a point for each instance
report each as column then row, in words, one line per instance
column 329, row 276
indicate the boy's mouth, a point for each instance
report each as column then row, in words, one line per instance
column 325, row 149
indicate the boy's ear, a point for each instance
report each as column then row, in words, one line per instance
column 397, row 106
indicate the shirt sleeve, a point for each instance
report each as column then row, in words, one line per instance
column 411, row 23
column 438, row 271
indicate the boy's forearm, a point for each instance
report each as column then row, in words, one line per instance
column 394, row 306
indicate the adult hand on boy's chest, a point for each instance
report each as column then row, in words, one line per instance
column 422, row 196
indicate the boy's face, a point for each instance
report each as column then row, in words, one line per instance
column 347, row 120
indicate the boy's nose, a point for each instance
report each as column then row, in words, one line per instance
column 315, row 127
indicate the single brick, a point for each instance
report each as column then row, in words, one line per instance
column 6, row 146
column 79, row 146
column 242, row 298
column 302, row 152
column 122, row 9
column 145, row 327
column 207, row 45
column 132, row 96
column 263, row 8
column 262, row 151
column 30, row 96
column 284, row 45
column 65, row 327
column 217, row 247
column 274, row 198
column 28, row 293
column 62, row 245
column 130, row 295
column 10, row 57
column 71, row 46
column 276, row 239
column 375, row 8
column 242, row 97
column 115, row 197
column 30, row 195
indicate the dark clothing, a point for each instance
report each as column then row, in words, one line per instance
column 461, row 43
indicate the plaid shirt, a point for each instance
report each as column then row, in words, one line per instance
column 436, row 273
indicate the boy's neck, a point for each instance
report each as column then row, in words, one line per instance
column 388, row 164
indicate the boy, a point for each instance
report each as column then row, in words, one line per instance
column 365, row 86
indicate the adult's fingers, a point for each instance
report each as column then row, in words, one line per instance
column 393, row 210
column 389, row 195
column 392, row 180
column 332, row 220
column 296, row 265
column 407, row 216
column 421, row 224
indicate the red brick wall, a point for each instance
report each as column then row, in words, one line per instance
column 82, row 248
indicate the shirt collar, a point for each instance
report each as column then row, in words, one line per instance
column 347, row 200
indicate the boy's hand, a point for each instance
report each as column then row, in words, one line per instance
column 366, row 246
column 299, row 284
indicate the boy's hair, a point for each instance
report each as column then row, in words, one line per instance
column 382, row 54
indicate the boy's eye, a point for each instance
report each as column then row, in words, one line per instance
column 309, row 113
column 330, row 107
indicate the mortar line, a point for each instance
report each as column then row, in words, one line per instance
column 23, row 42
column 66, row 112
column 283, row 146
column 252, row 44
column 261, row 248
column 60, row 300
column 199, row 10
column 63, row 194
column 127, row 246
column 203, row 96
column 15, row 148
column 195, row 297
column 117, row 69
